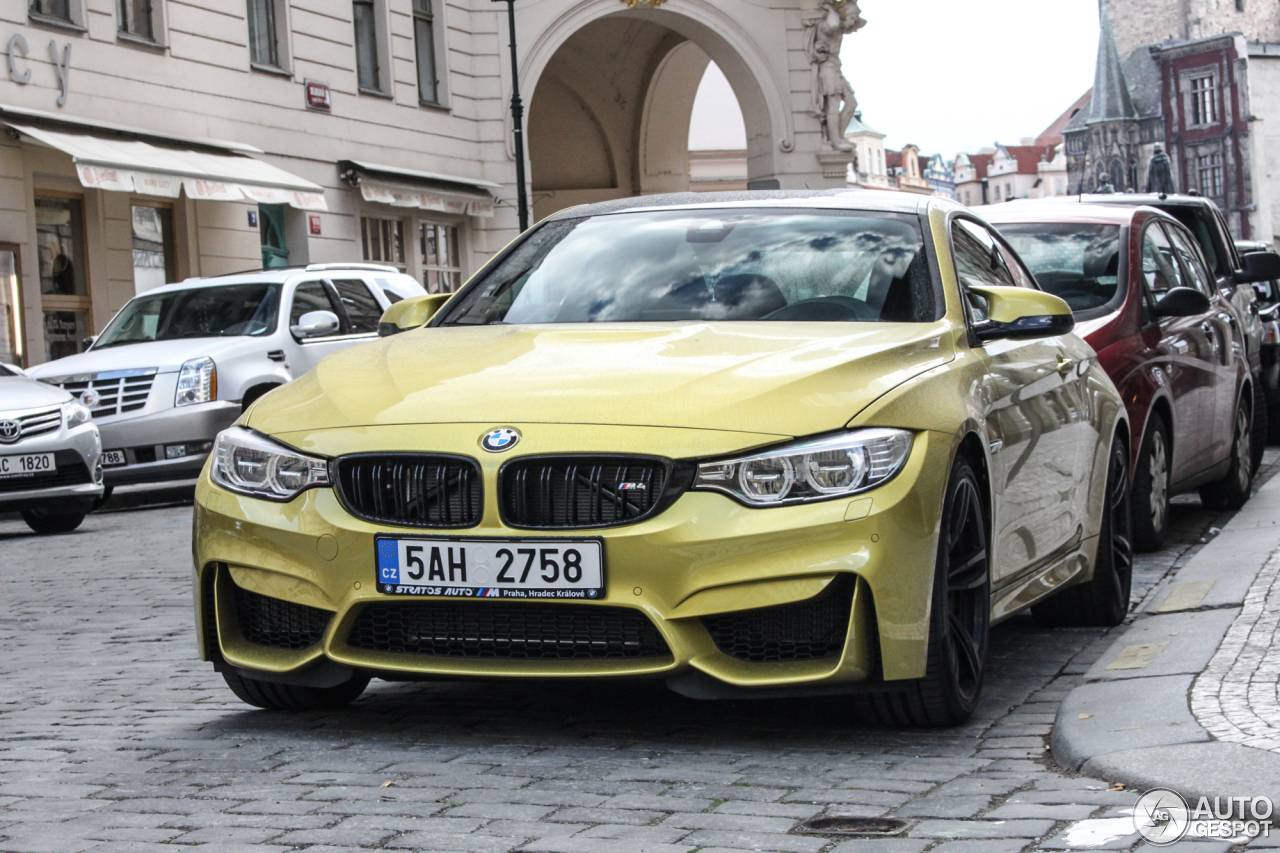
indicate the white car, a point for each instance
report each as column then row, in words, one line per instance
column 179, row 363
column 50, row 454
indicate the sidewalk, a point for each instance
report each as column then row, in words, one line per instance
column 1186, row 696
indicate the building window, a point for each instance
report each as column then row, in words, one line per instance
column 60, row 9
column 1239, row 5
column 135, row 19
column 383, row 240
column 1204, row 100
column 441, row 263
column 153, row 256
column 1210, row 166
column 263, row 43
column 367, row 70
column 64, row 284
column 424, row 37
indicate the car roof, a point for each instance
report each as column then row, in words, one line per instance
column 1048, row 211
column 835, row 199
column 1153, row 199
column 279, row 275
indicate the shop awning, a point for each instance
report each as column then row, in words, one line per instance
column 422, row 190
column 128, row 165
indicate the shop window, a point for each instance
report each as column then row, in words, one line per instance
column 368, row 70
column 137, row 19
column 1204, row 100
column 64, row 284
column 383, row 240
column 153, row 255
column 12, row 343
column 275, row 249
column 441, row 261
column 263, row 42
column 424, row 38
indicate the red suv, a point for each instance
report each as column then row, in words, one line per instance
column 1172, row 342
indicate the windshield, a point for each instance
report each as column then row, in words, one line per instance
column 1076, row 261
column 204, row 312
column 707, row 266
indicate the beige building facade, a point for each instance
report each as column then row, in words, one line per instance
column 154, row 140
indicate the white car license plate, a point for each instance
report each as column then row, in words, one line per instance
column 113, row 457
column 491, row 568
column 27, row 465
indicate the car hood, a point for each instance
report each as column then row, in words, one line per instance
column 166, row 356
column 19, row 392
column 763, row 377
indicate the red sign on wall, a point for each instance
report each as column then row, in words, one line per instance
column 318, row 95
column 314, row 221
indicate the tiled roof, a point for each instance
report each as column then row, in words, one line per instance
column 1028, row 156
column 1052, row 135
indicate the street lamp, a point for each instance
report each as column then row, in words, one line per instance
column 517, row 119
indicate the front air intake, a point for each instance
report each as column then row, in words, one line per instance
column 807, row 630
column 411, row 489
column 279, row 624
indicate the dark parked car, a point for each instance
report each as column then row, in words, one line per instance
column 1170, row 338
column 1229, row 266
column 1268, row 293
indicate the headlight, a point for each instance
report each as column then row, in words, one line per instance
column 75, row 413
column 197, row 382
column 251, row 464
column 811, row 470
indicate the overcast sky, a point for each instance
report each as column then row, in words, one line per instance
column 948, row 77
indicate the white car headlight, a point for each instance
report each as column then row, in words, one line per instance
column 810, row 470
column 251, row 464
column 197, row 382
column 75, row 413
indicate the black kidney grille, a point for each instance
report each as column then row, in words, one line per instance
column 519, row 630
column 71, row 471
column 277, row 623
column 806, row 630
column 412, row 490
column 581, row 491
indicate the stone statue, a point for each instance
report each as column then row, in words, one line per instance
column 1160, row 172
column 833, row 100
column 1104, row 185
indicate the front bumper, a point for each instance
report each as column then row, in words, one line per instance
column 73, row 493
column 145, row 437
column 705, row 555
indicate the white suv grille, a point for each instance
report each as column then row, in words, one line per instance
column 119, row 391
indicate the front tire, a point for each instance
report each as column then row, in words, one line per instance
column 1232, row 491
column 45, row 522
column 1103, row 601
column 292, row 697
column 959, row 620
column 1150, row 498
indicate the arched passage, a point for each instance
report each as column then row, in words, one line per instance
column 609, row 115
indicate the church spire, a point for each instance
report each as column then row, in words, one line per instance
column 1110, row 91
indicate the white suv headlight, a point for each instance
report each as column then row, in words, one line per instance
column 251, row 464
column 75, row 413
column 197, row 382
column 810, row 470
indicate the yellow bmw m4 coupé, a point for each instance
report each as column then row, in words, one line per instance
column 760, row 444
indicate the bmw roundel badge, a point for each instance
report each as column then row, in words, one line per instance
column 498, row 440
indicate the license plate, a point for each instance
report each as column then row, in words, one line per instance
column 26, row 465
column 491, row 568
column 113, row 457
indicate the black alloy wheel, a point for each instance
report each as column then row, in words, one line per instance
column 959, row 620
column 1232, row 491
column 1102, row 601
column 1151, row 487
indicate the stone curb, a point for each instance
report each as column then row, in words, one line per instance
column 1131, row 719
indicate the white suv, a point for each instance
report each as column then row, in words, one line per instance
column 179, row 363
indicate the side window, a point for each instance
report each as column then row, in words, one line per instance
column 1159, row 265
column 361, row 306
column 978, row 264
column 310, row 296
column 1195, row 269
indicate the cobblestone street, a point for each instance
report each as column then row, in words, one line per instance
column 113, row 737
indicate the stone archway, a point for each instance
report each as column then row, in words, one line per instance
column 613, row 92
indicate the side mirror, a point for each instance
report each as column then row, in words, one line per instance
column 1020, row 313
column 1182, row 302
column 316, row 324
column 1258, row 266
column 85, row 343
column 410, row 313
